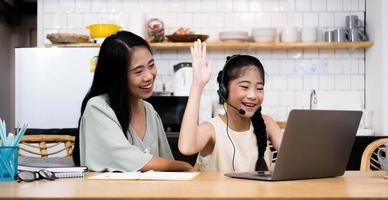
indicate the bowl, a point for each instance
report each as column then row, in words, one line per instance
column 103, row 30
column 186, row 37
column 239, row 36
column 264, row 31
column 264, row 35
column 264, row 38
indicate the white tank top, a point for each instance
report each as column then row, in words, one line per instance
column 221, row 158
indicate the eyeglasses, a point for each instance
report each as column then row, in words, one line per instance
column 29, row 176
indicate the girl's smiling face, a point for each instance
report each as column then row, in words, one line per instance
column 247, row 90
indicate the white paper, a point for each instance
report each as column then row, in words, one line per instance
column 151, row 175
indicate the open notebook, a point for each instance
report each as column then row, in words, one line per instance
column 150, row 175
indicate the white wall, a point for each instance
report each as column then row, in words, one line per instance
column 377, row 64
column 291, row 75
column 12, row 36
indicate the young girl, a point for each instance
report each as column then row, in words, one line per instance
column 118, row 131
column 235, row 141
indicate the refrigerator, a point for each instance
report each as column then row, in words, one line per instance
column 50, row 84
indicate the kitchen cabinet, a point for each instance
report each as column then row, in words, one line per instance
column 246, row 45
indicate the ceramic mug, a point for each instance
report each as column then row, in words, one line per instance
column 355, row 35
column 308, row 34
column 289, row 34
column 383, row 160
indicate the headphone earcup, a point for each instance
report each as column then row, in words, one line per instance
column 223, row 91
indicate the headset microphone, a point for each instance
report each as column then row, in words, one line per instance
column 240, row 111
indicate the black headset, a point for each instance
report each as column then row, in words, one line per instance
column 223, row 89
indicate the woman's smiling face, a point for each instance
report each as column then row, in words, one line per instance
column 247, row 91
column 141, row 74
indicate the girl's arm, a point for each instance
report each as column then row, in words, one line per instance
column 193, row 138
column 163, row 164
column 274, row 132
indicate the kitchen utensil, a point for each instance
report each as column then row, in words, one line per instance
column 329, row 36
column 102, row 30
column 183, row 76
column 367, row 119
column 339, row 35
column 352, row 21
column 355, row 35
column 186, row 37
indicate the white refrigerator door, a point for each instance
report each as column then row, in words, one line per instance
column 50, row 84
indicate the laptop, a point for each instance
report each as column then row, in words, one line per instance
column 315, row 144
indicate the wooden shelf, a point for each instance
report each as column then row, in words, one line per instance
column 74, row 45
column 265, row 46
column 244, row 45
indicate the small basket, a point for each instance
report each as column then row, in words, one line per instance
column 67, row 38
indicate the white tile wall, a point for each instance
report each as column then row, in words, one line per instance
column 290, row 75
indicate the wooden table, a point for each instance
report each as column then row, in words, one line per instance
column 354, row 184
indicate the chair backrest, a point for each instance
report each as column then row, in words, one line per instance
column 369, row 160
column 281, row 125
column 47, row 145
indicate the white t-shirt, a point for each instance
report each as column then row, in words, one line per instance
column 221, row 159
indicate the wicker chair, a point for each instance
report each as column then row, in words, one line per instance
column 47, row 145
column 282, row 125
column 369, row 157
column 273, row 151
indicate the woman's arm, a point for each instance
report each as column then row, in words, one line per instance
column 193, row 138
column 163, row 164
column 274, row 132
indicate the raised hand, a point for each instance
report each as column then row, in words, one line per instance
column 201, row 65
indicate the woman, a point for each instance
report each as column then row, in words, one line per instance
column 118, row 130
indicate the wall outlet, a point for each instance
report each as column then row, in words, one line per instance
column 312, row 67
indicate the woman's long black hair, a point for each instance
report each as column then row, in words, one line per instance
column 111, row 78
column 232, row 70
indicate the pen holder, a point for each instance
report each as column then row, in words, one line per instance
column 8, row 163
